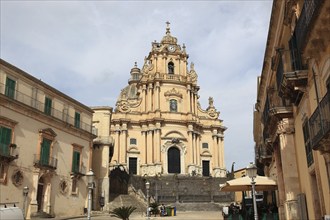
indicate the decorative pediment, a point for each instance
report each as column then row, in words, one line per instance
column 173, row 92
column 48, row 132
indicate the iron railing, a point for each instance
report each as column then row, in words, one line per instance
column 40, row 106
column 319, row 122
column 49, row 162
column 306, row 17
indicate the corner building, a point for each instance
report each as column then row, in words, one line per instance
column 158, row 125
column 292, row 116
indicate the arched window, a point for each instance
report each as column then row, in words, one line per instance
column 170, row 68
column 173, row 160
column 173, row 105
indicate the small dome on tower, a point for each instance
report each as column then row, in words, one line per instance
column 168, row 38
column 135, row 69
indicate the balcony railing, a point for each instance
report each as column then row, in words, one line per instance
column 9, row 153
column 306, row 17
column 78, row 171
column 40, row 106
column 173, row 77
column 319, row 122
column 47, row 163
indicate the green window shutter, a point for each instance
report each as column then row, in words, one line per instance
column 5, row 139
column 10, row 88
column 45, row 151
column 76, row 162
column 77, row 120
column 48, row 106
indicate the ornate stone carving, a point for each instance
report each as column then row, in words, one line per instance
column 289, row 11
column 211, row 110
column 192, row 73
column 173, row 92
column 17, row 177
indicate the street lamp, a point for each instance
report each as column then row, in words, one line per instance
column 251, row 171
column 148, row 187
column 25, row 194
column 90, row 180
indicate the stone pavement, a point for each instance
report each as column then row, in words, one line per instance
column 188, row 215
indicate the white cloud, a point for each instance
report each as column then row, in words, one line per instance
column 96, row 44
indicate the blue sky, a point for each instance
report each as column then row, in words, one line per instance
column 86, row 49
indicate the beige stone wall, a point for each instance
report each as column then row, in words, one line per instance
column 30, row 123
column 293, row 94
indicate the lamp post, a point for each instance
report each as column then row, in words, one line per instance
column 25, row 194
column 148, row 187
column 251, row 171
column 90, row 180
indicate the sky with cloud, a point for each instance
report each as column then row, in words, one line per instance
column 86, row 49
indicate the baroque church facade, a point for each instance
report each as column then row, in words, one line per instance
column 158, row 126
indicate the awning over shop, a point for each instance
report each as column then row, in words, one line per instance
column 263, row 183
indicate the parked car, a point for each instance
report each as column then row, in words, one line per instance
column 11, row 213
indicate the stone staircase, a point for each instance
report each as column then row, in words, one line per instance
column 118, row 200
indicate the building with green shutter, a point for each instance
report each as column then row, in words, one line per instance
column 45, row 144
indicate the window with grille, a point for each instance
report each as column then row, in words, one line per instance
column 48, row 106
column 45, row 152
column 77, row 119
column 132, row 141
column 76, row 162
column 205, row 145
column 5, row 140
column 308, row 144
column 173, row 105
column 10, row 88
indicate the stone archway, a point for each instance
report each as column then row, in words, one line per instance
column 173, row 160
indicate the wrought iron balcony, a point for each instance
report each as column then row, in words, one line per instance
column 319, row 124
column 78, row 171
column 291, row 84
column 8, row 153
column 45, row 163
column 304, row 23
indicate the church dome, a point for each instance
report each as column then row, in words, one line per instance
column 168, row 38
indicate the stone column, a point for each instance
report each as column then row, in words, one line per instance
column 144, row 99
column 198, row 149
column 157, row 145
column 285, row 129
column 215, row 148
column 280, row 183
column 156, row 104
column 123, row 145
column 222, row 153
column 195, row 101
column 48, row 196
column 190, row 157
column 150, row 97
column 34, row 202
column 192, row 102
column 193, row 147
column 188, row 99
column 149, row 150
column 117, row 144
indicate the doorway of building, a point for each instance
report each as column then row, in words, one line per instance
column 173, row 160
column 40, row 194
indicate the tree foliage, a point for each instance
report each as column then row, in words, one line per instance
column 123, row 212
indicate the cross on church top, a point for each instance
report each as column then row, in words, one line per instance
column 167, row 27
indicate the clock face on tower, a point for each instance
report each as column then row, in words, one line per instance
column 171, row 48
